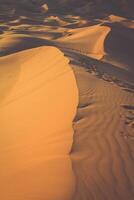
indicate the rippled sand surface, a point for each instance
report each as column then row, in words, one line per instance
column 51, row 63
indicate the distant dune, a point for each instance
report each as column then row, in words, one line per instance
column 89, row 40
column 66, row 100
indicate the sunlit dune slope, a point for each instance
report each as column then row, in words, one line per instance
column 88, row 40
column 38, row 99
column 111, row 40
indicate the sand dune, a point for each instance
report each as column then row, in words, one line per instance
column 36, row 137
column 102, row 152
column 38, row 100
column 89, row 40
column 119, row 46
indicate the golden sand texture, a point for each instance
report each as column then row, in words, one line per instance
column 89, row 40
column 103, row 151
column 38, row 98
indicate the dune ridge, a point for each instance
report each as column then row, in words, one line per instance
column 42, row 52
column 89, row 40
column 34, row 144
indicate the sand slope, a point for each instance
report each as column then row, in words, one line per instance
column 103, row 151
column 36, row 126
column 38, row 99
column 89, row 40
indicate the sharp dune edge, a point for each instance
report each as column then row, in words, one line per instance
column 66, row 102
column 89, row 40
column 36, row 138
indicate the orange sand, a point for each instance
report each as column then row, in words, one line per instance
column 38, row 98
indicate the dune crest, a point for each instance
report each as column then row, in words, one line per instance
column 88, row 40
column 36, row 114
column 38, row 100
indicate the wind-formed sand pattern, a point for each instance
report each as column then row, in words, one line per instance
column 66, row 100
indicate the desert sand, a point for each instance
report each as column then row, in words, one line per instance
column 66, row 101
column 36, row 137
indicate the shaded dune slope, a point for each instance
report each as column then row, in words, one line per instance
column 119, row 46
column 103, row 151
column 19, row 42
column 110, row 40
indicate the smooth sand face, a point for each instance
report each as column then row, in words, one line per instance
column 89, row 40
column 38, row 99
